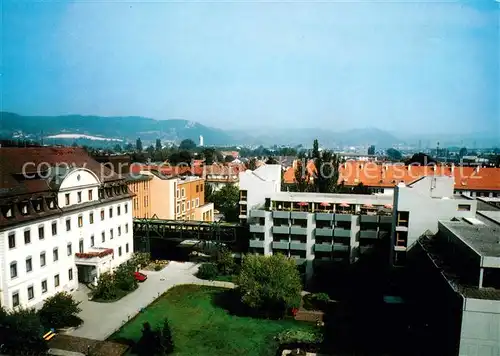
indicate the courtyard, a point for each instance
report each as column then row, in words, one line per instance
column 202, row 325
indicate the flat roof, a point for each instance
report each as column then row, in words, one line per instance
column 374, row 199
column 491, row 215
column 482, row 238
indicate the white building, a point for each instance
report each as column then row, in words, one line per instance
column 58, row 225
column 201, row 141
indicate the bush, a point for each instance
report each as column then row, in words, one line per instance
column 155, row 342
column 141, row 259
column 207, row 271
column 317, row 301
column 124, row 277
column 166, row 341
column 106, row 288
column 158, row 267
column 60, row 311
column 297, row 336
column 21, row 332
column 270, row 285
column 225, row 262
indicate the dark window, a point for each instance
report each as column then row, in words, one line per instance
column 12, row 240
column 55, row 254
column 68, row 225
column 29, row 265
column 126, row 248
column 13, row 270
column 118, row 210
column 92, row 241
column 79, row 196
column 44, row 286
column 56, row 280
column 15, row 299
column 90, row 194
column 31, row 293
column 126, row 228
column 69, row 249
column 119, row 231
column 80, row 221
column 111, row 234
column 119, row 251
column 42, row 259
column 70, row 274
column 54, row 228
column 126, row 208
column 102, row 215
column 41, row 232
column 27, row 237
column 91, row 218
column 66, row 197
column 103, row 235
column 80, row 246
column 110, row 212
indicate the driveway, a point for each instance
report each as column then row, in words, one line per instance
column 101, row 320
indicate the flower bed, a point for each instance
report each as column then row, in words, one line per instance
column 100, row 254
column 156, row 265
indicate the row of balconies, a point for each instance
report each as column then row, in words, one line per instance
column 383, row 219
column 301, row 246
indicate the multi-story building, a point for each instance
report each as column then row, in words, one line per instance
column 454, row 284
column 64, row 219
column 220, row 175
column 140, row 185
column 178, row 198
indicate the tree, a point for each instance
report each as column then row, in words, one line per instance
column 150, row 150
column 187, row 144
column 181, row 157
column 327, row 173
column 462, row 152
column 393, row 154
column 149, row 343
column 129, row 147
column 301, row 177
column 138, row 145
column 166, row 341
column 209, row 191
column 21, row 332
column 106, row 288
column 60, row 311
column 117, row 148
column 124, row 277
column 228, row 158
column 158, row 144
column 251, row 164
column 270, row 285
column 226, row 201
column 271, row 160
column 225, row 262
column 209, row 155
column 371, row 150
column 421, row 159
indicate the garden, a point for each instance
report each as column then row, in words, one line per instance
column 21, row 330
column 223, row 268
column 253, row 319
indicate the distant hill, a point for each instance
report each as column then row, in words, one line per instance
column 124, row 128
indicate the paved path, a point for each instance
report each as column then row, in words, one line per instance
column 101, row 320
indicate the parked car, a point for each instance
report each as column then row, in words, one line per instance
column 140, row 277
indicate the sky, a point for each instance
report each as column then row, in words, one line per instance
column 398, row 66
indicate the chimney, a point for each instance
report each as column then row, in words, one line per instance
column 452, row 168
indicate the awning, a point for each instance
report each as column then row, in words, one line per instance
column 324, row 204
column 388, row 206
column 302, row 204
column 344, row 205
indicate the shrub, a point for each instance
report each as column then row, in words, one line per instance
column 322, row 297
column 269, row 285
column 317, row 301
column 124, row 277
column 106, row 288
column 225, row 262
column 297, row 336
column 207, row 271
column 166, row 341
column 158, row 267
column 20, row 332
column 60, row 311
column 141, row 259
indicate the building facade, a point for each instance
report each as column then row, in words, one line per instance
column 65, row 222
column 140, row 185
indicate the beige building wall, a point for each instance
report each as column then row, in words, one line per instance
column 141, row 202
column 162, row 196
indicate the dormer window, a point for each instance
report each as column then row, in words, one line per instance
column 101, row 193
column 37, row 205
column 7, row 211
column 66, row 198
column 117, row 190
column 109, row 192
column 24, row 208
column 124, row 188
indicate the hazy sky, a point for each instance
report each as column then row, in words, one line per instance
column 394, row 65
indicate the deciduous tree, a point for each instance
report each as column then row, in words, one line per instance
column 59, row 311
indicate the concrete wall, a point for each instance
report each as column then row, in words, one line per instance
column 260, row 184
column 480, row 334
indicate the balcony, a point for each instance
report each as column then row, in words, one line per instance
column 298, row 230
column 324, row 231
column 257, row 213
column 299, row 215
column 324, row 216
column 257, row 228
column 368, row 234
column 386, row 219
column 369, row 219
column 343, row 217
column 341, row 232
column 281, row 230
column 256, row 243
column 340, row 248
column 281, row 214
column 281, row 245
column 401, row 228
column 298, row 245
column 324, row 247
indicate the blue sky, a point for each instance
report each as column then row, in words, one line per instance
column 399, row 66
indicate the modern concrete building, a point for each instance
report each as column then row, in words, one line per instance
column 419, row 205
column 64, row 219
column 310, row 227
column 459, row 266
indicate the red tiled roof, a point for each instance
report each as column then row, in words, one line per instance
column 38, row 159
column 384, row 176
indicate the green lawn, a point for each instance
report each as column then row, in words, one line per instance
column 201, row 328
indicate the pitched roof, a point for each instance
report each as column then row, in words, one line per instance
column 385, row 176
column 16, row 162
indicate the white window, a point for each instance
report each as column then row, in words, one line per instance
column 187, row 204
column 183, row 207
column 197, row 202
column 183, row 192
